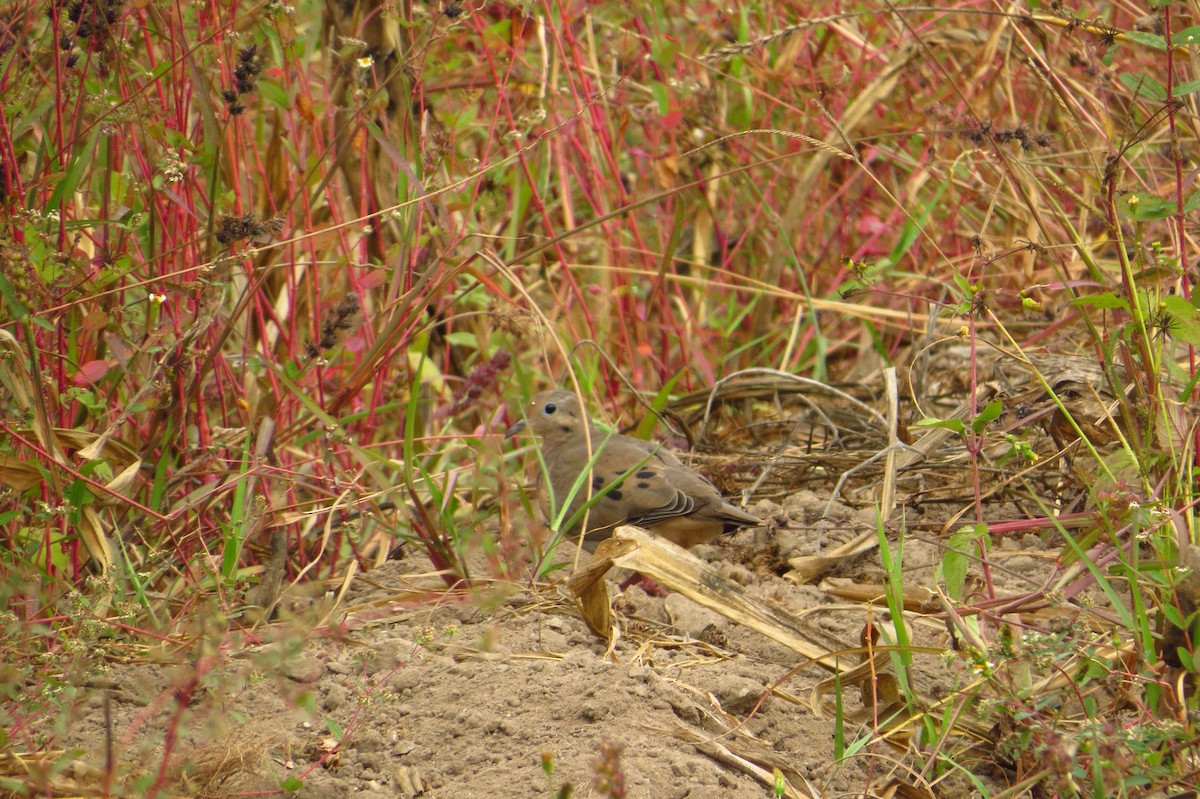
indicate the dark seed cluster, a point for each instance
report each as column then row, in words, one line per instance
column 478, row 382
column 339, row 321
column 94, row 17
column 245, row 74
column 239, row 228
column 8, row 39
column 249, row 65
column 980, row 132
column 93, row 20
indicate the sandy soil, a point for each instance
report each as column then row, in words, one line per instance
column 507, row 694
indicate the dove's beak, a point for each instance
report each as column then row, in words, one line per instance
column 516, row 428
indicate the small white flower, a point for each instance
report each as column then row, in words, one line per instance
column 366, row 62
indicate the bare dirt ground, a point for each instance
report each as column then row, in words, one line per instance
column 508, row 694
column 392, row 685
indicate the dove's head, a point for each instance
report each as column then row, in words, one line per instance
column 554, row 417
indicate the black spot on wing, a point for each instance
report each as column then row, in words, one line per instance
column 643, row 484
column 645, row 474
column 599, row 483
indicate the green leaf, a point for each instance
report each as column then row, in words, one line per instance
column 988, row 414
column 276, row 95
column 1143, row 85
column 496, row 35
column 963, row 284
column 462, row 338
column 1148, row 39
column 1186, row 88
column 79, row 164
column 240, row 519
column 1186, row 327
column 947, row 424
column 1103, row 301
column 1186, row 36
column 742, row 113
column 335, row 729
column 1179, row 306
column 913, row 225
column 646, row 426
column 954, row 573
column 161, row 68
column 466, row 117
column 78, row 493
column 662, row 51
column 1146, row 207
column 958, row 557
column 661, row 96
column 26, row 121
column 291, row 784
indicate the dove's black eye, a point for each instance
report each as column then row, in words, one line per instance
column 550, row 408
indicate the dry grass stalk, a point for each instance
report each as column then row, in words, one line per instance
column 677, row 569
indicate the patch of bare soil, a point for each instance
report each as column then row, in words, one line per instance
column 507, row 694
column 401, row 688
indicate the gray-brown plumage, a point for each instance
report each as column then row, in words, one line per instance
column 651, row 488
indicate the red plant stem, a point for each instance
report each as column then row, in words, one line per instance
column 500, row 81
column 183, row 696
column 1181, row 244
column 973, row 443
